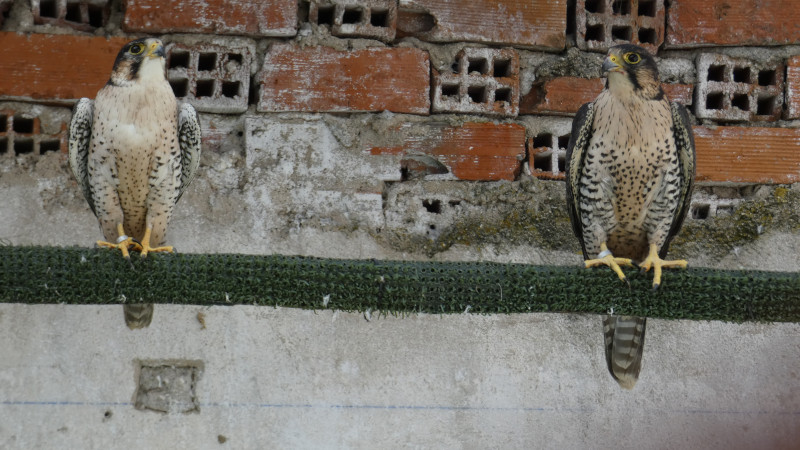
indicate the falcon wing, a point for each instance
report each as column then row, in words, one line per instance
column 189, row 138
column 576, row 150
column 684, row 141
column 80, row 134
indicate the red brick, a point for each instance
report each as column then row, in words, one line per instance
column 325, row 79
column 565, row 95
column 601, row 24
column 44, row 66
column 527, row 23
column 793, row 88
column 83, row 15
column 473, row 151
column 696, row 23
column 748, row 154
column 484, row 81
column 256, row 18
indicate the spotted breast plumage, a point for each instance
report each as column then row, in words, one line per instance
column 134, row 151
column 630, row 174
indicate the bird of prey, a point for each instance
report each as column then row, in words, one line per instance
column 134, row 151
column 630, row 174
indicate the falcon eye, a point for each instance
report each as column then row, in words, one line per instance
column 632, row 58
column 136, row 49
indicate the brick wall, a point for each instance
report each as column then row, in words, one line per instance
column 429, row 89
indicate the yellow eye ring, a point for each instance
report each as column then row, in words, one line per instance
column 136, row 49
column 632, row 58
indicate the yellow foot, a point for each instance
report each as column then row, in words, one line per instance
column 605, row 258
column 145, row 247
column 654, row 261
column 124, row 243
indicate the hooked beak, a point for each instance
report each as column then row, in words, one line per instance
column 611, row 64
column 156, row 50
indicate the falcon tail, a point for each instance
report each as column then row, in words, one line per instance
column 138, row 315
column 624, row 342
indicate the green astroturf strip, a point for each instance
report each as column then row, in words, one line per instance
column 101, row 276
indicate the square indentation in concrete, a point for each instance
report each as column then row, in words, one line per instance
column 482, row 81
column 737, row 89
column 601, row 24
column 168, row 386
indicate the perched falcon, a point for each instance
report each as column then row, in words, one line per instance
column 134, row 152
column 630, row 173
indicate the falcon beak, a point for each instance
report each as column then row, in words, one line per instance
column 156, row 50
column 611, row 64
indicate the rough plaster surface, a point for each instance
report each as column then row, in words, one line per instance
column 284, row 378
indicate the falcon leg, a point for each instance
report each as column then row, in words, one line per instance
column 123, row 242
column 605, row 258
column 146, row 244
column 654, row 261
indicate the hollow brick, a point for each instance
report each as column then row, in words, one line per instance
column 82, row 15
column 601, row 24
column 22, row 131
column 373, row 19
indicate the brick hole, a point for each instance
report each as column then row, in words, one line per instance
column 502, row 68
column 3, row 145
column 621, row 7
column 570, row 31
column 562, row 163
column 477, row 94
column 716, row 73
column 563, row 141
column 700, row 212
column 3, row 124
column 621, row 33
column 48, row 8
column 253, row 95
column 765, row 106
column 49, row 145
column 543, row 141
column 595, row 33
column 449, row 90
column 235, row 57
column 766, row 77
column 180, row 87
column 595, row 6
column 724, row 210
column 73, row 12
column 303, row 11
column 96, row 16
column 741, row 74
column 178, row 58
column 715, row 100
column 647, row 8
column 325, row 14
column 647, row 35
column 502, row 95
column 352, row 14
column 456, row 67
column 205, row 88
column 22, row 125
column 480, row 65
column 231, row 88
column 432, row 206
column 379, row 18
column 207, row 61
column 543, row 161
column 741, row 101
column 23, row 146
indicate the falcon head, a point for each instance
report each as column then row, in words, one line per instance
column 139, row 61
column 632, row 71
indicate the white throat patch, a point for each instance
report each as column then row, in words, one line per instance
column 151, row 70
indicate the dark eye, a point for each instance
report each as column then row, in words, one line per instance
column 632, row 58
column 136, row 49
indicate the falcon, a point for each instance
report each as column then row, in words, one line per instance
column 134, row 151
column 630, row 173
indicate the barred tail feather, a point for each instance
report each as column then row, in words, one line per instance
column 624, row 344
column 138, row 315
